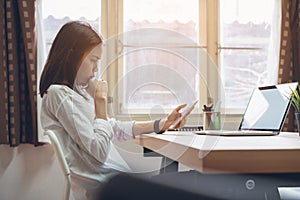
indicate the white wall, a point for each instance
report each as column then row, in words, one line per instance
column 29, row 173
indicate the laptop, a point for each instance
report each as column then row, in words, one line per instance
column 265, row 112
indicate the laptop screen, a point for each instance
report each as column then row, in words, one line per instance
column 267, row 107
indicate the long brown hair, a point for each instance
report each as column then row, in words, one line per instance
column 72, row 43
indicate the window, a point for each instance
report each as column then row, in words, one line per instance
column 55, row 13
column 160, row 53
column 248, row 36
column 241, row 39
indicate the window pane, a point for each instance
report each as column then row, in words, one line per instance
column 160, row 54
column 245, row 24
column 56, row 13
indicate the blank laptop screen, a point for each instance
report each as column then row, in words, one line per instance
column 267, row 107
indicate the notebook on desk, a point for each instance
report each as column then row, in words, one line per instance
column 265, row 112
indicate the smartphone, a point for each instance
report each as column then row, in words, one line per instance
column 184, row 114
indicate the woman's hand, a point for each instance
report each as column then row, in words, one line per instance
column 98, row 90
column 168, row 121
column 164, row 124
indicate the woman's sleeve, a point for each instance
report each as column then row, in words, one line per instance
column 122, row 130
column 92, row 135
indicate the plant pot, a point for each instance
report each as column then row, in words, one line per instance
column 297, row 116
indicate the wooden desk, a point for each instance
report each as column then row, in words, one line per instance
column 247, row 154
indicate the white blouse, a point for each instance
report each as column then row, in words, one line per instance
column 87, row 142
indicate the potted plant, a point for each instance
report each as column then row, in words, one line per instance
column 295, row 100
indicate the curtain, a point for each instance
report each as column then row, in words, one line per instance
column 18, row 110
column 289, row 60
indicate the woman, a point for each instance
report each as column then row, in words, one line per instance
column 74, row 104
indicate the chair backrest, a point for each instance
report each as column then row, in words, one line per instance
column 62, row 161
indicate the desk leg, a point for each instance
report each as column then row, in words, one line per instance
column 168, row 165
column 272, row 193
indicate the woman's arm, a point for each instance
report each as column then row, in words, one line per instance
column 148, row 126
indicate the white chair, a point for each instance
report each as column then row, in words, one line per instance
column 82, row 187
column 62, row 161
